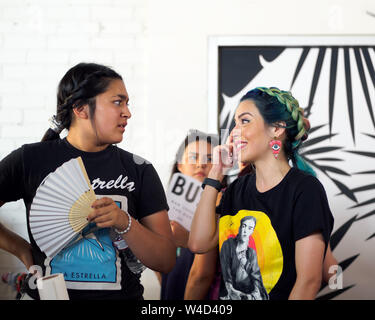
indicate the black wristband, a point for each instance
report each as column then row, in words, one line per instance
column 213, row 183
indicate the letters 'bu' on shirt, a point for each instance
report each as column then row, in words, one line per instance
column 92, row 266
column 258, row 231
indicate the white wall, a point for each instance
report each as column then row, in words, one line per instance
column 160, row 48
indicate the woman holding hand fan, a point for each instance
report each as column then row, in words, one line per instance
column 130, row 212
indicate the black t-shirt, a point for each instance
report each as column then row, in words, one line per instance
column 258, row 231
column 92, row 267
column 173, row 284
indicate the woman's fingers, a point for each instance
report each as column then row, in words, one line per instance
column 101, row 207
column 222, row 159
column 102, row 202
column 234, row 135
column 106, row 213
column 226, row 155
column 95, row 213
column 220, row 154
column 102, row 218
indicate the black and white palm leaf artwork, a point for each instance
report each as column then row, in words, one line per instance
column 336, row 87
column 362, row 61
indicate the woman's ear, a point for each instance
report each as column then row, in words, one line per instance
column 81, row 112
column 277, row 129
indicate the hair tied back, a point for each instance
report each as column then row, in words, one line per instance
column 55, row 125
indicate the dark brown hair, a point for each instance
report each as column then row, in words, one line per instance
column 79, row 86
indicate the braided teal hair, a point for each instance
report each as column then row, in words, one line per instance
column 276, row 105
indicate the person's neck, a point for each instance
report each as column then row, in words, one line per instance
column 84, row 142
column 242, row 243
column 270, row 172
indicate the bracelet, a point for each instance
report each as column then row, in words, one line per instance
column 213, row 183
column 128, row 227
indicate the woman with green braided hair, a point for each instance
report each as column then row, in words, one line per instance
column 278, row 254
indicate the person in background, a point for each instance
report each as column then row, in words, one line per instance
column 193, row 274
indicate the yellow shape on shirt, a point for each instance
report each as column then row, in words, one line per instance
column 265, row 240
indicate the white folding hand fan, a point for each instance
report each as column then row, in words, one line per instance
column 60, row 207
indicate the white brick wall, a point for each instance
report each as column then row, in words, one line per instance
column 39, row 41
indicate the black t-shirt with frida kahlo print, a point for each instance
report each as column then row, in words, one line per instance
column 258, row 232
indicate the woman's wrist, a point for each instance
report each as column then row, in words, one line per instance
column 216, row 174
column 125, row 226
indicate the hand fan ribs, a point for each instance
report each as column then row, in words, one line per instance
column 60, row 207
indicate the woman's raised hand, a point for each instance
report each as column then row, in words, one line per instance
column 224, row 157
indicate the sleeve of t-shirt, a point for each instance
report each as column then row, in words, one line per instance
column 12, row 177
column 311, row 212
column 152, row 196
column 219, row 208
column 224, row 201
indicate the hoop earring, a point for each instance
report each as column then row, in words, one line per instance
column 276, row 147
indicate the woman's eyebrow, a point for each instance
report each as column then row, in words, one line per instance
column 123, row 97
column 245, row 113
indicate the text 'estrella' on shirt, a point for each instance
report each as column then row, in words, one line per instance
column 120, row 183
